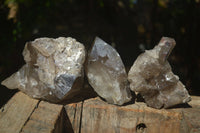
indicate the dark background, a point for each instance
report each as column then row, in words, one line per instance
column 131, row 26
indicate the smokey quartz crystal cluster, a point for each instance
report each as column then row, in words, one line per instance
column 53, row 69
column 152, row 77
column 106, row 73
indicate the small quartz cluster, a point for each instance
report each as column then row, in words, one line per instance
column 152, row 77
column 106, row 73
column 53, row 69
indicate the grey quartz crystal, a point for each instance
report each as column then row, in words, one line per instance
column 53, row 69
column 106, row 73
column 152, row 77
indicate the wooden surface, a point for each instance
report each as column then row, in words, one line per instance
column 23, row 114
column 74, row 114
column 99, row 117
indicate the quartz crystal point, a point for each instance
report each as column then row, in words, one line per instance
column 152, row 77
column 53, row 69
column 106, row 73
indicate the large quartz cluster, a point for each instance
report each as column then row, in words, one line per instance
column 53, row 69
column 152, row 77
column 106, row 73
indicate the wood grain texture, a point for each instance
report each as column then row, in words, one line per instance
column 23, row 114
column 195, row 102
column 100, row 117
column 16, row 112
column 45, row 119
column 74, row 115
column 103, row 117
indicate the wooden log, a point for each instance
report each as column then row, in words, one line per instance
column 23, row 114
column 102, row 117
column 99, row 116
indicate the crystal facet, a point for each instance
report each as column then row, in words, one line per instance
column 152, row 77
column 53, row 69
column 106, row 73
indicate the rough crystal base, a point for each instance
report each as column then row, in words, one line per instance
column 152, row 77
column 53, row 69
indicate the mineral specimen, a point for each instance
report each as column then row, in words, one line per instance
column 106, row 73
column 53, row 69
column 152, row 77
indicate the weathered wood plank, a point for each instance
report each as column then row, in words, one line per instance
column 98, row 116
column 192, row 115
column 195, row 102
column 74, row 113
column 102, row 117
column 23, row 114
column 78, row 117
column 16, row 112
column 192, row 119
column 46, row 118
column 70, row 117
